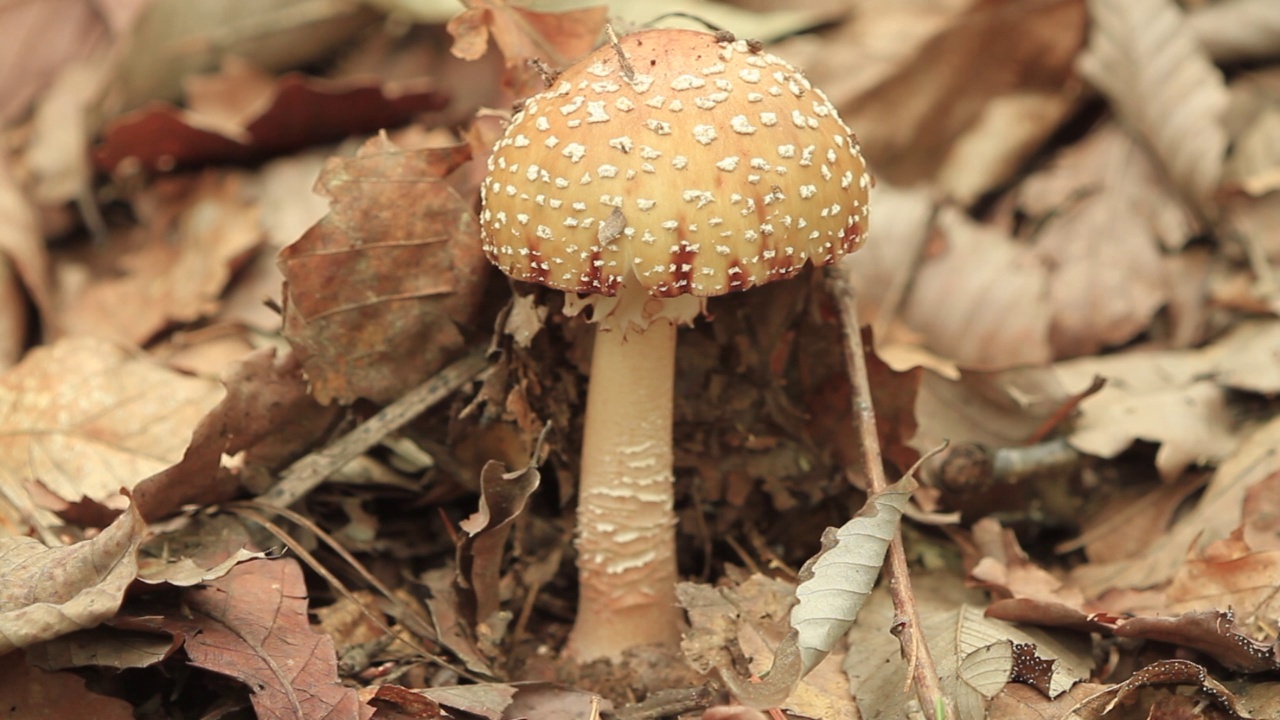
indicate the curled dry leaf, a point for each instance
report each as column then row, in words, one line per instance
column 376, row 291
column 1163, row 672
column 49, row 592
column 833, row 586
column 502, row 498
column 1211, row 632
column 252, row 625
column 83, row 417
column 1144, row 57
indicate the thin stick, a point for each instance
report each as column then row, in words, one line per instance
column 306, row 474
column 906, row 622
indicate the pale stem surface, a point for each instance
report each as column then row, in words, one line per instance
column 626, row 522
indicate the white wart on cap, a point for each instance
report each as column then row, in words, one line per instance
column 699, row 166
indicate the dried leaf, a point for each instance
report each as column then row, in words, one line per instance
column 502, row 498
column 33, row 694
column 103, row 646
column 1163, row 672
column 298, row 111
column 48, row 592
column 833, row 586
column 1108, row 280
column 22, row 252
column 836, row 582
column 266, row 413
column 1144, row 57
column 38, row 39
column 486, row 700
column 1238, row 30
column 185, row 571
column 196, row 233
column 981, row 299
column 84, row 417
column 252, row 625
column 523, row 35
column 1216, row 515
column 375, row 292
column 1176, row 398
column 954, row 629
column 1007, row 85
column 1212, row 632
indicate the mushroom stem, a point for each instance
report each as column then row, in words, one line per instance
column 626, row 523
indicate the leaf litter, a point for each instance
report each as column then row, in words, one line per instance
column 1071, row 279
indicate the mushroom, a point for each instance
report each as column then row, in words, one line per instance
column 666, row 168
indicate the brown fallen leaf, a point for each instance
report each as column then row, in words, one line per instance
column 1162, row 672
column 1177, row 398
column 1108, row 276
column 1215, row 516
column 486, row 700
column 1212, row 632
column 480, row 552
column 252, row 625
column 375, row 293
column 48, row 592
column 32, row 694
column 1022, row 702
column 266, row 417
column 84, row 417
column 1006, row 571
column 295, row 112
column 979, row 298
column 750, row 618
column 1229, row 574
column 1133, row 520
column 195, row 233
column 103, row 646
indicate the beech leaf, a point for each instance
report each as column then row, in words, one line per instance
column 837, row 581
column 834, row 584
column 1144, row 57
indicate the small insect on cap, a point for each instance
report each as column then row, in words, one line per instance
column 697, row 165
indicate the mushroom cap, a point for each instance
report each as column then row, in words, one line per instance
column 698, row 166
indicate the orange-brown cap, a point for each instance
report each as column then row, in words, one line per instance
column 701, row 167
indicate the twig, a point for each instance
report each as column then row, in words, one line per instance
column 628, row 71
column 906, row 623
column 306, row 474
